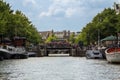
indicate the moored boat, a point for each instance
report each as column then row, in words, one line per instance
column 113, row 54
column 93, row 54
column 13, row 48
column 4, row 54
column 9, row 52
column 19, row 53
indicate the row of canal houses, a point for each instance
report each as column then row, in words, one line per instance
column 59, row 34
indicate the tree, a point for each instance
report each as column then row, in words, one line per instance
column 72, row 38
column 5, row 12
column 51, row 38
column 104, row 24
column 16, row 24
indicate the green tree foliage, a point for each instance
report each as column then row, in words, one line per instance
column 5, row 12
column 51, row 38
column 72, row 38
column 16, row 24
column 104, row 24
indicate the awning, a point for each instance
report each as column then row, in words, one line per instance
column 110, row 38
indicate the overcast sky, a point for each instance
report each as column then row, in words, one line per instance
column 60, row 15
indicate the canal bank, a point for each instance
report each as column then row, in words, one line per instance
column 58, row 68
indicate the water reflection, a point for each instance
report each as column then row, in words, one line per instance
column 58, row 68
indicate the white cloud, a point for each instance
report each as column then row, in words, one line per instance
column 70, row 11
column 52, row 11
column 29, row 2
column 118, row 1
column 72, row 8
column 63, row 8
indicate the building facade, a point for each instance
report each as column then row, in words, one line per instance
column 59, row 34
column 117, row 8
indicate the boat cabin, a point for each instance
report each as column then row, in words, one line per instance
column 19, row 41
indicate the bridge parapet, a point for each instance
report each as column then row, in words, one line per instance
column 59, row 48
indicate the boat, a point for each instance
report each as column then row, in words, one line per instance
column 93, row 54
column 4, row 53
column 11, row 52
column 13, row 49
column 113, row 54
column 18, row 53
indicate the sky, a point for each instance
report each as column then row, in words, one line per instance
column 59, row 15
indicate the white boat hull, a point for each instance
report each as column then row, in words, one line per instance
column 13, row 52
column 92, row 54
column 113, row 57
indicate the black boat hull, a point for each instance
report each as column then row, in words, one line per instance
column 5, row 55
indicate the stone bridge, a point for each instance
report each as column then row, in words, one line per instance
column 45, row 51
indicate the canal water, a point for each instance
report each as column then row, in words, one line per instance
column 58, row 68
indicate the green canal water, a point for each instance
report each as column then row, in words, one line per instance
column 58, row 68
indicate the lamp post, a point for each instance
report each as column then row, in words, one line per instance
column 99, row 33
column 98, row 37
column 88, row 39
column 117, row 39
